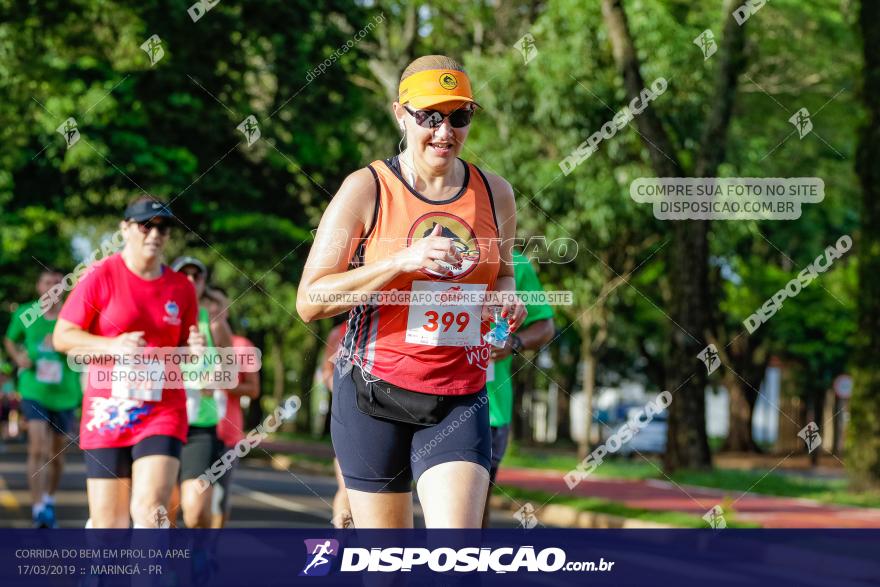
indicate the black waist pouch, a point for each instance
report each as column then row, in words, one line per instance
column 380, row 399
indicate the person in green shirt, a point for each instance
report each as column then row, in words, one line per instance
column 50, row 392
column 535, row 332
column 203, row 447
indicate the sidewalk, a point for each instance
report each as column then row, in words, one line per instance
column 767, row 511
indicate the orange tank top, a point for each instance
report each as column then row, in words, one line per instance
column 428, row 346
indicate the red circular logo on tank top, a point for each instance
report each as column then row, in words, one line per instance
column 462, row 235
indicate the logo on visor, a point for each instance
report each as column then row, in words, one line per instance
column 463, row 239
column 448, row 81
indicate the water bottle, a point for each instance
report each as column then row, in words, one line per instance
column 497, row 336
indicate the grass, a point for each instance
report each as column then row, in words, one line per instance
column 611, row 469
column 589, row 504
column 834, row 491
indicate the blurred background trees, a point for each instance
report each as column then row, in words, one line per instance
column 170, row 129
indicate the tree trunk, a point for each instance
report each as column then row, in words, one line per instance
column 747, row 357
column 687, row 444
column 741, row 411
column 587, row 366
column 688, row 256
column 863, row 434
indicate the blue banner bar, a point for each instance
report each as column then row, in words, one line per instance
column 257, row 558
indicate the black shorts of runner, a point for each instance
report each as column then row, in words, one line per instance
column 202, row 448
column 500, row 436
column 60, row 421
column 377, row 455
column 116, row 463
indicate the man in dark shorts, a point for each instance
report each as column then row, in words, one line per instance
column 50, row 392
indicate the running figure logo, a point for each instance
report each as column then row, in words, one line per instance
column 250, row 129
column 160, row 517
column 715, row 518
column 463, row 238
column 810, row 435
column 69, row 131
column 527, row 48
column 317, row 552
column 709, row 356
column 706, row 42
column 153, row 48
column 801, row 121
column 526, row 516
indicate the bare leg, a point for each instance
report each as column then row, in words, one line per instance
column 108, row 502
column 38, row 454
column 153, row 478
column 174, row 505
column 196, row 503
column 486, row 508
column 56, row 466
column 446, row 492
column 381, row 510
column 341, row 508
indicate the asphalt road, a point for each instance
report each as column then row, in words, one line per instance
column 262, row 497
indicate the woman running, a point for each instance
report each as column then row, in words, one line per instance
column 409, row 390
column 131, row 434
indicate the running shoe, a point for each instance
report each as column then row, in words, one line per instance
column 46, row 516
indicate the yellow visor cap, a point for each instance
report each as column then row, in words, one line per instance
column 435, row 86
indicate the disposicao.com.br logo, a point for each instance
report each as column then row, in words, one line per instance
column 442, row 560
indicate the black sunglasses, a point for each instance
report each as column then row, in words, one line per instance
column 145, row 226
column 433, row 119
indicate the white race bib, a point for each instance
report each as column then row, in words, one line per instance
column 139, row 382
column 444, row 322
column 490, row 371
column 49, row 371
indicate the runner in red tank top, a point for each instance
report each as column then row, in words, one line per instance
column 409, row 399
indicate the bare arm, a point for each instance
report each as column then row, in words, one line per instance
column 249, row 386
column 68, row 337
column 342, row 225
column 17, row 353
column 537, row 334
column 533, row 337
column 221, row 332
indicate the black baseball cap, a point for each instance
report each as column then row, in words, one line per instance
column 181, row 262
column 147, row 209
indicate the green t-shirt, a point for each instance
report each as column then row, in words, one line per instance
column 207, row 414
column 500, row 388
column 49, row 381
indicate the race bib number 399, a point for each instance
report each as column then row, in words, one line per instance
column 445, row 320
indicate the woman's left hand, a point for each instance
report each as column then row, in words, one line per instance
column 512, row 308
column 514, row 311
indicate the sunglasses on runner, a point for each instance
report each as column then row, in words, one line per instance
column 145, row 226
column 433, row 118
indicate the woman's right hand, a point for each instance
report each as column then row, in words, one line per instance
column 128, row 341
column 426, row 253
column 23, row 361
